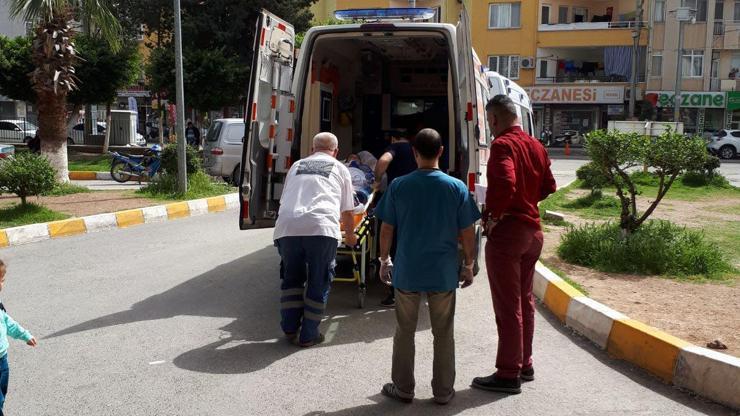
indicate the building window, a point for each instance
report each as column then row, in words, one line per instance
column 543, row 68
column 140, row 33
column 506, row 65
column 563, row 14
column 719, row 10
column 659, row 10
column 700, row 6
column 503, row 15
column 545, row 10
column 657, row 66
column 736, row 12
column 580, row 15
column 692, row 63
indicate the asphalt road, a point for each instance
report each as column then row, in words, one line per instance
column 181, row 318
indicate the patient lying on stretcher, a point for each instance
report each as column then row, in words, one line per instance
column 362, row 177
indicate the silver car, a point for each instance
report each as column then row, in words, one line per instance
column 222, row 148
column 17, row 131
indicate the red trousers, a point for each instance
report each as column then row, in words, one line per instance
column 512, row 251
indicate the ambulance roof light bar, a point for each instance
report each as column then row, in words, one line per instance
column 385, row 14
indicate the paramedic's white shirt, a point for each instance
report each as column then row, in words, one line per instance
column 318, row 188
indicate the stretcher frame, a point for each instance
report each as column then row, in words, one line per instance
column 363, row 255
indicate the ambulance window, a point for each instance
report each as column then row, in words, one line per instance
column 526, row 121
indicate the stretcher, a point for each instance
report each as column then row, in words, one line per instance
column 364, row 254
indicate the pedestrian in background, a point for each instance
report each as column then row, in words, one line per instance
column 8, row 327
column 398, row 160
column 519, row 177
column 428, row 210
column 192, row 134
column 317, row 193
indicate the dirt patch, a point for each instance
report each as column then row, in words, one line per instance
column 91, row 203
column 697, row 312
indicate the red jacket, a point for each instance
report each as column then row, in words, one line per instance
column 518, row 175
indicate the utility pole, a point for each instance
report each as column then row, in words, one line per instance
column 182, row 174
column 635, row 56
column 683, row 14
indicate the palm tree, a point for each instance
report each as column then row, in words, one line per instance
column 54, row 57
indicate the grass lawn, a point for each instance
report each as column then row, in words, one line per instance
column 67, row 189
column 727, row 237
column 87, row 164
column 200, row 185
column 16, row 215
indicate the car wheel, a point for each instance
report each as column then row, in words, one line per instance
column 70, row 141
column 27, row 140
column 235, row 176
column 727, row 152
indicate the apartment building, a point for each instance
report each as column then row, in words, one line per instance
column 710, row 63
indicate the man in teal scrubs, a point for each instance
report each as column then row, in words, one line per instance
column 430, row 212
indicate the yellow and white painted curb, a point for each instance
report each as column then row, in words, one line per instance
column 708, row 373
column 122, row 219
column 77, row 175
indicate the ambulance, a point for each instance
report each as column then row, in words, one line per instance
column 383, row 71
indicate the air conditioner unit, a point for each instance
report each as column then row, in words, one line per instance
column 527, row 62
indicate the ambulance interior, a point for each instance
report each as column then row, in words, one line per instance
column 366, row 88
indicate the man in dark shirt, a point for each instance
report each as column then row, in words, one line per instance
column 398, row 160
column 519, row 177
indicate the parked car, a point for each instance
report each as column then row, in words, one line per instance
column 222, row 148
column 17, row 131
column 725, row 144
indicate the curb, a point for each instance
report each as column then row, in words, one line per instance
column 707, row 373
column 122, row 219
column 78, row 175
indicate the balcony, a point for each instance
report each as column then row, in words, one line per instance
column 590, row 26
column 726, row 34
column 588, row 65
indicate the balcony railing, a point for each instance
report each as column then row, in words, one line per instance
column 586, row 79
column 719, row 28
column 589, row 26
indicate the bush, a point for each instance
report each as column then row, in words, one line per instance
column 592, row 177
column 200, row 185
column 706, row 176
column 658, row 247
column 27, row 175
column 192, row 156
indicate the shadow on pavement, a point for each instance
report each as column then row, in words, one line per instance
column 464, row 400
column 634, row 373
column 247, row 289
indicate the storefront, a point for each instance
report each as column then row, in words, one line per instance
column 580, row 108
column 700, row 110
column 136, row 98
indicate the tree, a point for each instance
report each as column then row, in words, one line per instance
column 212, row 78
column 15, row 65
column 217, row 39
column 54, row 57
column 668, row 155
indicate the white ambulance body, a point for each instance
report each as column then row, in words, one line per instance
column 363, row 82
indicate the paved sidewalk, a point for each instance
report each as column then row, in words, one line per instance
column 109, row 185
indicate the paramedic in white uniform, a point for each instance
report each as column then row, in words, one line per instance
column 318, row 191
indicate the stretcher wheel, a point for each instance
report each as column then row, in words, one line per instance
column 361, row 291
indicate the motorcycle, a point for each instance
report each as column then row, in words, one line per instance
column 124, row 167
column 567, row 136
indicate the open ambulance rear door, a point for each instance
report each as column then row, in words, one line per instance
column 466, row 86
column 268, row 123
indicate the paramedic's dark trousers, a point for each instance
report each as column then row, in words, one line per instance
column 442, row 317
column 512, row 251
column 307, row 271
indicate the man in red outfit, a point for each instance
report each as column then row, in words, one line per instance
column 519, row 177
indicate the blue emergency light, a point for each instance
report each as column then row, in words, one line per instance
column 385, row 14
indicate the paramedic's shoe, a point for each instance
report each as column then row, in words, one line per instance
column 443, row 400
column 527, row 375
column 501, row 385
column 316, row 341
column 390, row 390
column 292, row 337
column 389, row 302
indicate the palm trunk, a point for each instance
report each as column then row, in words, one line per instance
column 52, row 123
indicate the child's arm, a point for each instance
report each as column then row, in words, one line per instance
column 18, row 332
